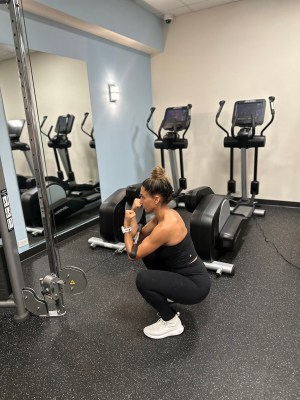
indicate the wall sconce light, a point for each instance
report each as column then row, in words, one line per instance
column 113, row 91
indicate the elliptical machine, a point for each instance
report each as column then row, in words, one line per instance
column 61, row 207
column 89, row 134
column 15, row 128
column 112, row 210
column 247, row 115
column 66, row 197
column 218, row 222
column 176, row 119
column 60, row 145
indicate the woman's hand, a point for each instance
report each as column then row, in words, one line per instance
column 136, row 204
column 129, row 216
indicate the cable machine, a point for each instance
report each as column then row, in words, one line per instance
column 60, row 280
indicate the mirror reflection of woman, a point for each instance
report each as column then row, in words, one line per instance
column 175, row 273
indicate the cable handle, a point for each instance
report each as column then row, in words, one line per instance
column 133, row 252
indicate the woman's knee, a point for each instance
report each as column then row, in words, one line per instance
column 204, row 291
column 197, row 293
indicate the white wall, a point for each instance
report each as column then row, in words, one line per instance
column 62, row 88
column 245, row 50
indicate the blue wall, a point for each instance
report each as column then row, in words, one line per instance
column 11, row 182
column 124, row 147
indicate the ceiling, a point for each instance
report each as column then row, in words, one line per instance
column 179, row 7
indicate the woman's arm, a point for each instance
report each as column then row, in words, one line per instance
column 148, row 228
column 156, row 238
column 130, row 217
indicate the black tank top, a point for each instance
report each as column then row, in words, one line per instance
column 182, row 257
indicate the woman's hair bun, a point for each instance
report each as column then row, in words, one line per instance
column 158, row 173
column 159, row 183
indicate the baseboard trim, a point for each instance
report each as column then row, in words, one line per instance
column 279, row 203
column 41, row 246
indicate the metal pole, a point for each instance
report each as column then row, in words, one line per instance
column 174, row 169
column 244, row 174
column 33, row 125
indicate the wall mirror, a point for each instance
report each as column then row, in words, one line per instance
column 63, row 100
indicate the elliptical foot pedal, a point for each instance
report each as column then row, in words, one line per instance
column 244, row 210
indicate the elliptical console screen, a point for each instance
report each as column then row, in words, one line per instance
column 244, row 110
column 15, row 128
column 176, row 118
column 64, row 124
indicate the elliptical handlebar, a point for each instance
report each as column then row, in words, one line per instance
column 42, row 124
column 221, row 105
column 86, row 114
column 91, row 134
column 44, row 120
column 152, row 109
column 272, row 108
column 189, row 106
column 271, row 101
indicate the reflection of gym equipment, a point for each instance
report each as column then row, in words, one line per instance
column 60, row 145
column 68, row 279
column 89, row 134
column 66, row 197
column 61, row 207
column 215, row 226
column 176, row 119
column 15, row 128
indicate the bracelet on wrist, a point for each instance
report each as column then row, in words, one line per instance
column 126, row 229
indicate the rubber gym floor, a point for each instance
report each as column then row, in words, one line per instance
column 242, row 342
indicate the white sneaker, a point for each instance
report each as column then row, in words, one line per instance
column 162, row 329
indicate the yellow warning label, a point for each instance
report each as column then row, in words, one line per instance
column 72, row 282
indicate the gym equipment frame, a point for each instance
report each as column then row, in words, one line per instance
column 69, row 279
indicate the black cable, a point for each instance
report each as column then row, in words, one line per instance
column 275, row 247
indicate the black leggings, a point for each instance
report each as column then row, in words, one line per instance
column 158, row 283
